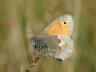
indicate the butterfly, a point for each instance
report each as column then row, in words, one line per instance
column 56, row 40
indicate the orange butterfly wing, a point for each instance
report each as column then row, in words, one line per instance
column 58, row 28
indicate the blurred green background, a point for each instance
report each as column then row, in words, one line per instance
column 18, row 17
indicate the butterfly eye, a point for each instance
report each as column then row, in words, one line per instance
column 64, row 22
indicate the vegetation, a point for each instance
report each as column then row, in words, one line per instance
column 17, row 17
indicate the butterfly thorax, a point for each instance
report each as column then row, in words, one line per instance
column 39, row 44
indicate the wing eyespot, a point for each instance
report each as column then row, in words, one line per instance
column 64, row 22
